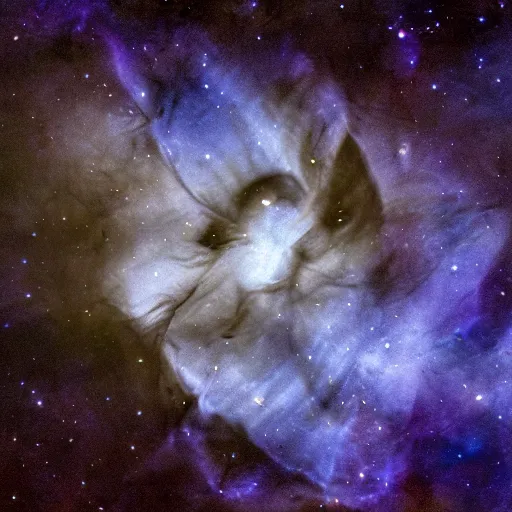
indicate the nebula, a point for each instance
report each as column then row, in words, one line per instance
column 257, row 256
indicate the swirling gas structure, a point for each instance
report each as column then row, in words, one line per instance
column 310, row 290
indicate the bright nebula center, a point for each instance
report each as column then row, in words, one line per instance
column 272, row 235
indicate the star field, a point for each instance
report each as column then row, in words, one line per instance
column 255, row 255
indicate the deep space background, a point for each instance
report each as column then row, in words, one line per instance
column 106, row 238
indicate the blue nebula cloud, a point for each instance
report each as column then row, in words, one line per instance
column 324, row 361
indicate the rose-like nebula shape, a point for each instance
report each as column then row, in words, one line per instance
column 316, row 311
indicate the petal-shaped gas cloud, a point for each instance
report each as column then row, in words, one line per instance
column 286, row 332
